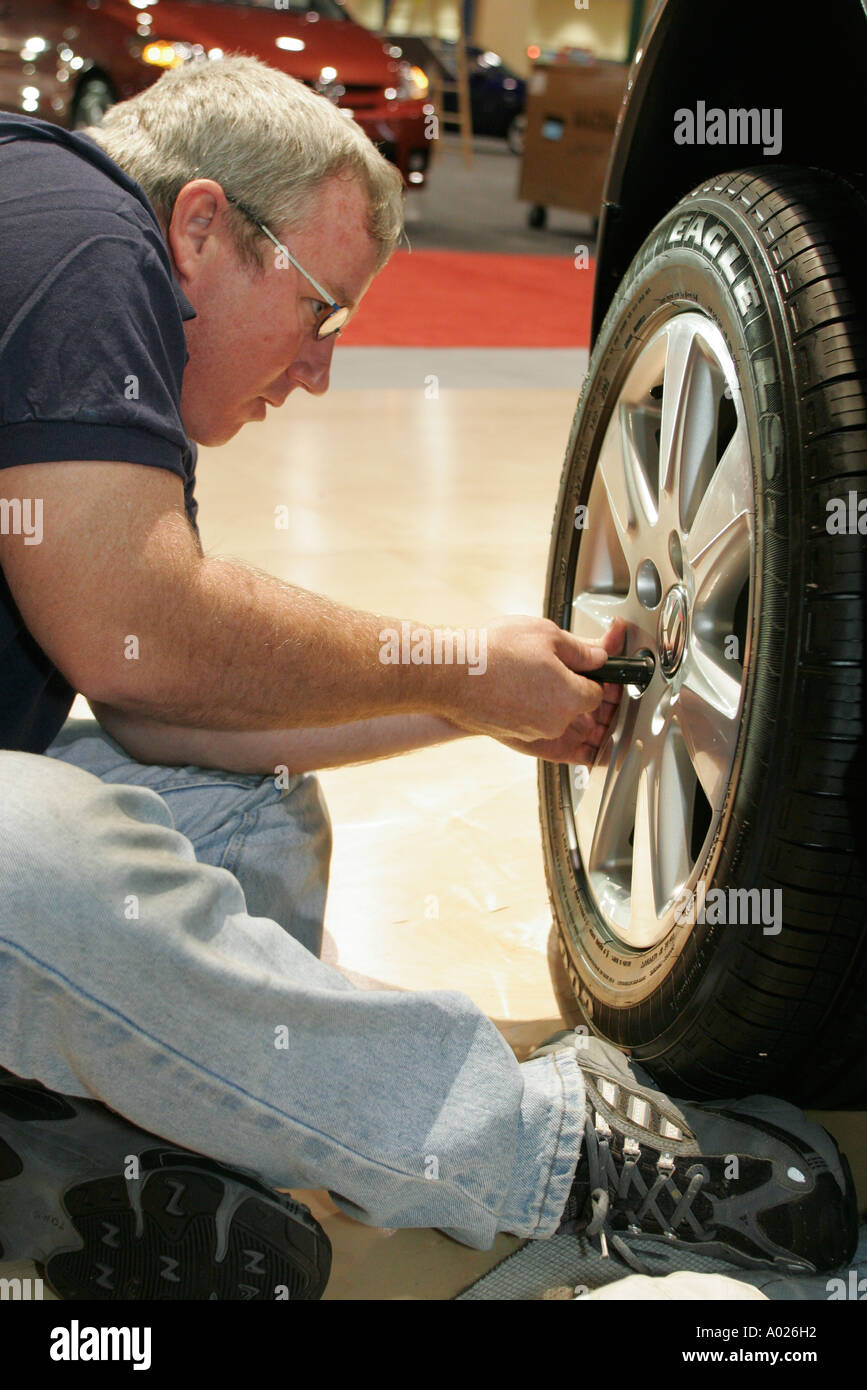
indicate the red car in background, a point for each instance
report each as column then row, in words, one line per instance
column 69, row 60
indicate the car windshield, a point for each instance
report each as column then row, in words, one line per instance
column 327, row 9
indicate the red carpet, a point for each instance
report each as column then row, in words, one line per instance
column 470, row 299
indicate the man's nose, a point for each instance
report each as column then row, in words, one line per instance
column 312, row 368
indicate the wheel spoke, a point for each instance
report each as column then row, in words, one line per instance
column 643, row 501
column 690, row 412
column 675, row 401
column 718, row 544
column 587, row 814
column 601, row 569
column 707, row 714
column 644, row 921
column 603, row 820
column 610, row 471
column 593, row 614
column 596, row 611
column 677, row 787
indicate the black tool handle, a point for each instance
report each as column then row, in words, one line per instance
column 625, row 670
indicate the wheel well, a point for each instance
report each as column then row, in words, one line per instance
column 735, row 53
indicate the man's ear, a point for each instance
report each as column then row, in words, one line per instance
column 197, row 231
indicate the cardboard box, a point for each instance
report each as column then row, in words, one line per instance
column 572, row 111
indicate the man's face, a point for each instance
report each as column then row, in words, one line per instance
column 253, row 339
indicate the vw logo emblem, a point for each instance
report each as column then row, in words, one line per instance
column 672, row 630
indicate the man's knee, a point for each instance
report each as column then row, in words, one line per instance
column 54, row 817
column 36, row 796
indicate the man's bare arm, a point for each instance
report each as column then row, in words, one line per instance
column 120, row 597
column 311, row 750
column 267, row 750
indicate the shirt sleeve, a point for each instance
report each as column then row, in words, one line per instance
column 92, row 360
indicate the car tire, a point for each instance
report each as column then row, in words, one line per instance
column 93, row 98
column 707, row 874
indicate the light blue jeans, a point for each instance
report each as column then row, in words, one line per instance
column 159, row 938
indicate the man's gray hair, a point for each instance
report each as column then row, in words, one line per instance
column 265, row 138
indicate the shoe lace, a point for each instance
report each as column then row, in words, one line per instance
column 625, row 1191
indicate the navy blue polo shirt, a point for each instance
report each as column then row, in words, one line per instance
column 92, row 356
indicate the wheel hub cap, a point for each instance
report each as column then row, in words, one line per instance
column 671, row 637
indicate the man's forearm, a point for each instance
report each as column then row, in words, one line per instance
column 267, row 751
column 232, row 648
column 119, row 596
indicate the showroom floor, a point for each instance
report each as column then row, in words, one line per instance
column 436, row 509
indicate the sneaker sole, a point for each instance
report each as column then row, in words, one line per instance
column 109, row 1212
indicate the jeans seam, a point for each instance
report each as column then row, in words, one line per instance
column 194, row 1066
column 556, row 1146
column 234, row 848
column 181, row 784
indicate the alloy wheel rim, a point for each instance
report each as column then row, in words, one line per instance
column 668, row 544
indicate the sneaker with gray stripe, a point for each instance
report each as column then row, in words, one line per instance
column 753, row 1181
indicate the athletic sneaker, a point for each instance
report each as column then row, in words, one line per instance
column 108, row 1211
column 750, row 1181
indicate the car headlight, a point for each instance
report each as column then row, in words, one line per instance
column 412, row 84
column 173, row 53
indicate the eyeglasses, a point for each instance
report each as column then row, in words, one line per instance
column 338, row 313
